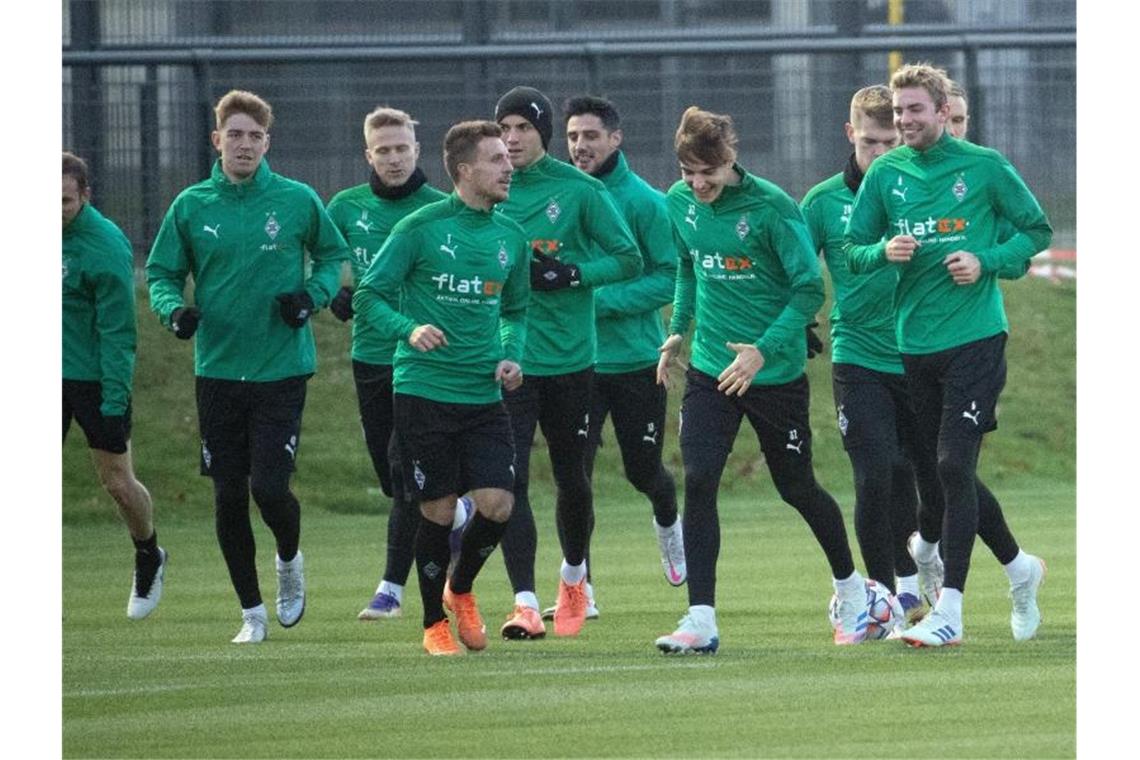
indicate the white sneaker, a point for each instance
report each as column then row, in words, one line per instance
column 671, row 543
column 290, row 591
column 138, row 606
column 930, row 572
column 691, row 637
column 934, row 630
column 254, row 626
column 851, row 617
column 591, row 606
column 1025, row 617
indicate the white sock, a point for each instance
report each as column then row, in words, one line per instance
column 924, row 551
column 950, row 604
column 526, row 599
column 393, row 589
column 907, row 584
column 704, row 614
column 573, row 574
column 666, row 530
column 590, row 591
column 460, row 518
column 1019, row 568
column 849, row 584
column 259, row 611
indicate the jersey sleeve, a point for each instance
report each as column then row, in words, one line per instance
column 790, row 239
column 167, row 266
column 328, row 250
column 620, row 258
column 380, row 287
column 863, row 245
column 1015, row 204
column 684, row 288
column 653, row 232
column 512, row 306
column 115, row 325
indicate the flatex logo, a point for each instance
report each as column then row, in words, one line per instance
column 719, row 266
column 448, row 283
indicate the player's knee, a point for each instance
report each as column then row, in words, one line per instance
column 269, row 492
column 955, row 468
column 497, row 505
column 796, row 486
column 119, row 483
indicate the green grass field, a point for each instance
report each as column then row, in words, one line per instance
column 173, row 686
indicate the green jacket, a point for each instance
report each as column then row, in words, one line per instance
column 365, row 219
column 468, row 273
column 244, row 244
column 630, row 329
column 747, row 274
column 99, row 307
column 952, row 196
column 568, row 214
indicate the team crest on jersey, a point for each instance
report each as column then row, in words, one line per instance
column 553, row 211
column 272, row 227
column 742, row 227
column 504, row 258
column 960, row 188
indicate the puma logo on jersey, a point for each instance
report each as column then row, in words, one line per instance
column 366, row 226
column 973, row 414
column 213, row 231
column 447, row 247
column 691, row 216
column 900, row 191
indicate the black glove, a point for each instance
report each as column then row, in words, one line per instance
column 295, row 307
column 814, row 344
column 341, row 305
column 115, row 434
column 184, row 320
column 548, row 273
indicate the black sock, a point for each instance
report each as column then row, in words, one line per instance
column 432, row 555
column 479, row 542
column 147, row 548
column 147, row 561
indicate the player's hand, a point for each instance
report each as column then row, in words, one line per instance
column 184, row 321
column 427, row 337
column 296, row 308
column 737, row 377
column 667, row 350
column 115, row 433
column 964, row 267
column 341, row 304
column 509, row 374
column 814, row 344
column 901, row 248
column 548, row 273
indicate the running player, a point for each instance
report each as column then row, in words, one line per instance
column 942, row 201
column 750, row 280
column 579, row 242
column 98, row 368
column 243, row 235
column 460, row 273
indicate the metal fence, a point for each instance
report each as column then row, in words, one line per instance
column 140, row 77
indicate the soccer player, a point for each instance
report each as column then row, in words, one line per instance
column 579, row 241
column 872, row 406
column 243, row 235
column 629, row 327
column 365, row 215
column 959, row 122
column 98, row 368
column 460, row 274
column 750, row 280
column 942, row 201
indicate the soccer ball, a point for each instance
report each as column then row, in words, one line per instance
column 884, row 613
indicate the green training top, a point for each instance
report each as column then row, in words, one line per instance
column 949, row 197
column 468, row 273
column 630, row 329
column 747, row 274
column 863, row 311
column 568, row 214
column 244, row 244
column 99, row 307
column 365, row 219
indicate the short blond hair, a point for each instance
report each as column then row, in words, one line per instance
column 385, row 116
column 874, row 103
column 242, row 101
column 705, row 137
column 930, row 78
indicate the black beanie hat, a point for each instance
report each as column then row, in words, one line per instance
column 533, row 106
